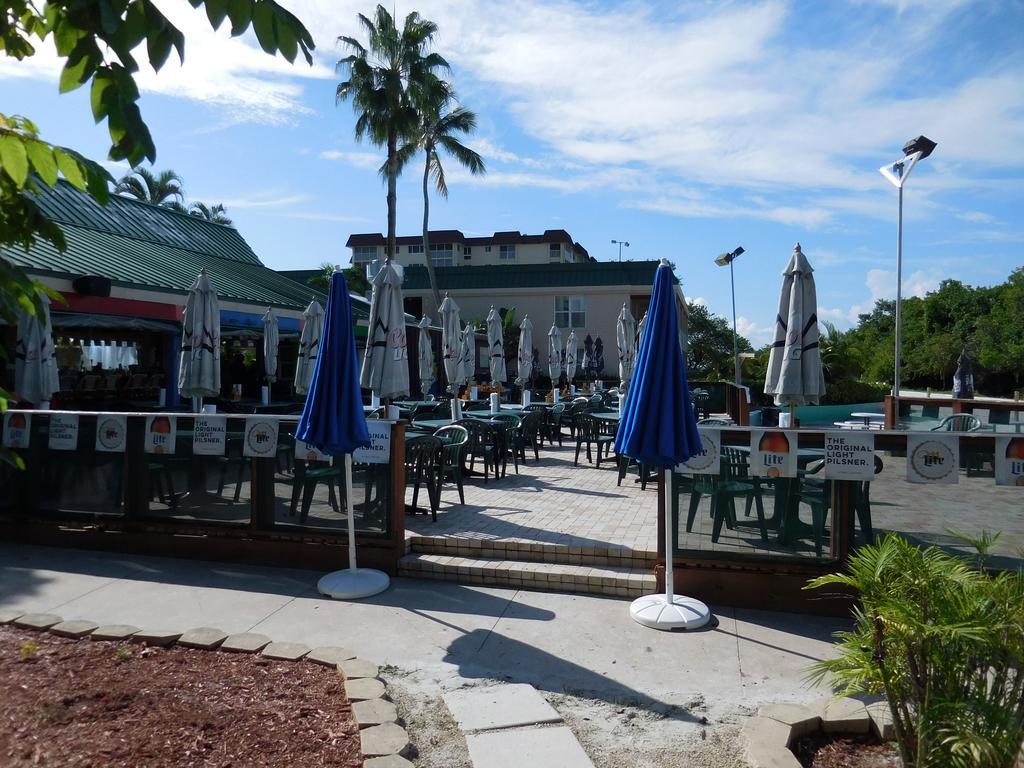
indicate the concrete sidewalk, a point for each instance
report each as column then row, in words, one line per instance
column 444, row 636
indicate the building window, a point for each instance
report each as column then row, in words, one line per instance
column 442, row 255
column 554, row 252
column 364, row 254
column 507, row 253
column 571, row 311
column 415, row 249
column 467, row 250
column 567, row 254
column 487, row 249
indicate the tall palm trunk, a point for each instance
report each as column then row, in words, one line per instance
column 392, row 191
column 426, row 234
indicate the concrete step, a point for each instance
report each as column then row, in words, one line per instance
column 602, row 555
column 612, row 581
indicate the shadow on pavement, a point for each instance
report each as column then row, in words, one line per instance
column 484, row 654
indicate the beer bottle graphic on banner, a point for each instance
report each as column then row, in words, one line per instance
column 774, row 450
column 1015, row 458
column 160, row 432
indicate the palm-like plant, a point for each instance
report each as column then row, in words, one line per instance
column 437, row 129
column 217, row 213
column 158, row 189
column 386, row 79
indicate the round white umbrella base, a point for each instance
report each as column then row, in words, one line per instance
column 351, row 584
column 657, row 612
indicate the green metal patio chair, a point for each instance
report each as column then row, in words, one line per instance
column 422, row 458
column 958, row 422
column 482, row 445
column 506, row 425
column 454, row 442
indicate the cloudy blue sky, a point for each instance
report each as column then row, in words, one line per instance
column 686, row 129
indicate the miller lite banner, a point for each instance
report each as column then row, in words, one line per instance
column 307, row 452
column 111, row 432
column 773, row 453
column 933, row 458
column 1009, row 464
column 161, row 433
column 706, row 462
column 260, row 437
column 63, row 432
column 209, row 435
column 17, row 430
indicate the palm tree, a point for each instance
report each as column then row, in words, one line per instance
column 144, row 185
column 217, row 214
column 386, row 80
column 437, row 129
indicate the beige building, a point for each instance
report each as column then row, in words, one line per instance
column 450, row 248
column 586, row 297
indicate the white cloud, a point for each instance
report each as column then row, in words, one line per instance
column 758, row 335
column 263, row 201
column 365, row 160
column 976, row 217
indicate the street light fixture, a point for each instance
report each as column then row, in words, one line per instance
column 897, row 173
column 729, row 258
column 620, row 244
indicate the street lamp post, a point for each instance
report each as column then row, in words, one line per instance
column 620, row 244
column 729, row 258
column 897, row 173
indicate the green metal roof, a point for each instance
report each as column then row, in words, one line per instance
column 141, row 221
column 136, row 261
column 505, row 276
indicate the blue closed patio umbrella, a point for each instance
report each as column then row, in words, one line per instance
column 333, row 421
column 658, row 429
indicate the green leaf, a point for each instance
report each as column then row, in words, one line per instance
column 240, row 13
column 264, row 24
column 13, row 159
column 70, row 168
column 76, row 71
column 158, row 45
column 216, row 10
column 100, row 107
column 40, row 155
column 287, row 42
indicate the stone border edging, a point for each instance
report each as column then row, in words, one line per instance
column 770, row 734
column 381, row 739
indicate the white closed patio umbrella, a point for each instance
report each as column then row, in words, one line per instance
column 309, row 346
column 271, row 339
column 571, row 345
column 467, row 356
column 199, row 364
column 795, row 376
column 525, row 357
column 625, row 339
column 425, row 358
column 35, row 366
column 385, row 370
column 451, row 342
column 496, row 347
column 554, row 355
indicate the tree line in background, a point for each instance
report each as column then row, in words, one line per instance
column 985, row 322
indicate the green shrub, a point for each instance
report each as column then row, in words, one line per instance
column 944, row 643
column 845, row 391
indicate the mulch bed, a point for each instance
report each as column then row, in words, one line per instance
column 825, row 750
column 94, row 703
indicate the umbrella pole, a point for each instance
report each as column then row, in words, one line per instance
column 350, row 513
column 352, row 582
column 668, row 611
column 669, row 576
